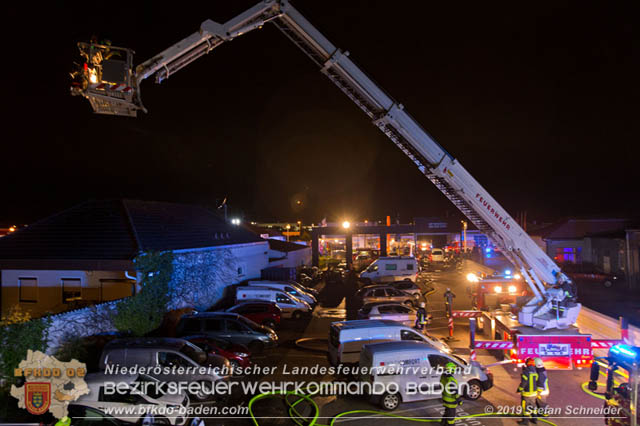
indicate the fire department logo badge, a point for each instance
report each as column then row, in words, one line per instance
column 37, row 397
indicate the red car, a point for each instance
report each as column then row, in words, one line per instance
column 589, row 273
column 264, row 313
column 238, row 355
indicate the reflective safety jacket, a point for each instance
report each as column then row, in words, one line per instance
column 543, row 382
column 529, row 382
column 421, row 315
column 450, row 397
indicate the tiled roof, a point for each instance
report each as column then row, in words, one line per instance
column 118, row 230
column 284, row 246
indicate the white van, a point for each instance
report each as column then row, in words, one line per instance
column 346, row 338
column 288, row 288
column 412, row 372
column 291, row 307
column 388, row 269
column 437, row 255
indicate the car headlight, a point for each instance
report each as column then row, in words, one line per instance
column 241, row 354
column 497, row 289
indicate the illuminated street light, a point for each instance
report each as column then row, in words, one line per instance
column 235, row 221
column 346, row 224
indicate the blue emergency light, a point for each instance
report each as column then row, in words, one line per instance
column 507, row 271
column 625, row 351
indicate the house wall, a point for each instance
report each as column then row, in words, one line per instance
column 201, row 276
column 47, row 297
column 632, row 250
column 582, row 246
column 291, row 259
column 608, row 254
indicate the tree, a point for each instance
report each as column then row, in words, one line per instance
column 143, row 312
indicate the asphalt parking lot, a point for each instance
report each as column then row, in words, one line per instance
column 564, row 385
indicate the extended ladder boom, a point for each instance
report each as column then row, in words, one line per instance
column 432, row 160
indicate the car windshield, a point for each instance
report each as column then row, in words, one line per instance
column 194, row 352
column 460, row 360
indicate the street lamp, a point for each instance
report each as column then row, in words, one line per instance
column 346, row 224
column 464, row 236
column 288, row 227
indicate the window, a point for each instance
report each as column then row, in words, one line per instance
column 401, row 309
column 236, row 327
column 409, row 266
column 372, row 268
column 191, row 325
column 438, row 361
column 410, row 335
column 28, row 288
column 280, row 298
column 391, row 267
column 212, row 324
column 122, row 396
column 568, row 254
column 71, row 290
column 385, row 309
column 170, row 359
column 393, row 292
column 379, row 293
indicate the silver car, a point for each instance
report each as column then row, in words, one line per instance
column 385, row 293
column 408, row 286
column 388, row 311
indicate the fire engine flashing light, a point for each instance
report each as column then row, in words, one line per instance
column 488, row 249
column 507, row 271
column 624, row 350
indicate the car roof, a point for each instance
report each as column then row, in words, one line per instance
column 348, row 325
column 368, row 287
column 147, row 342
column 373, row 304
column 226, row 315
column 402, row 345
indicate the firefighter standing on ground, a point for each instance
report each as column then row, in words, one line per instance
column 448, row 301
column 543, row 386
column 450, row 394
column 528, row 390
column 421, row 317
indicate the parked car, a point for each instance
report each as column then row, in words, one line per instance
column 408, row 286
column 388, row 311
column 388, row 269
column 437, row 255
column 238, row 355
column 228, row 326
column 384, row 293
column 260, row 312
column 81, row 415
column 134, row 396
column 291, row 306
column 167, row 352
column 376, row 358
column 346, row 338
column 289, row 288
column 589, row 273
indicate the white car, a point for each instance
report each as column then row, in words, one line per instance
column 437, row 255
column 408, row 286
column 388, row 311
column 129, row 403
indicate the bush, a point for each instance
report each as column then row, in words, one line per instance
column 143, row 312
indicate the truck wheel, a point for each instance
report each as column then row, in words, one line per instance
column 390, row 401
column 607, row 284
column 296, row 315
column 474, row 390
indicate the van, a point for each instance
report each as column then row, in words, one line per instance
column 291, row 307
column 437, row 255
column 388, row 269
column 167, row 353
column 346, row 338
column 412, row 372
column 289, row 288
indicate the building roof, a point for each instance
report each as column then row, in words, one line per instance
column 116, row 230
column 581, row 228
column 285, row 246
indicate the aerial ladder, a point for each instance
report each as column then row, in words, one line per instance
column 111, row 84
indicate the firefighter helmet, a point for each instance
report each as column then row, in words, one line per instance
column 529, row 362
column 538, row 363
column 422, row 305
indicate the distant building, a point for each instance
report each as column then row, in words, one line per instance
column 84, row 255
column 611, row 244
column 287, row 254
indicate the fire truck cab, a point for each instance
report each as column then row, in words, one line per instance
column 493, row 291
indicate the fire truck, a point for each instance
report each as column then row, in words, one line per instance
column 113, row 86
column 621, row 368
column 494, row 291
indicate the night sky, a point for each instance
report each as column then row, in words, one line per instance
column 538, row 100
